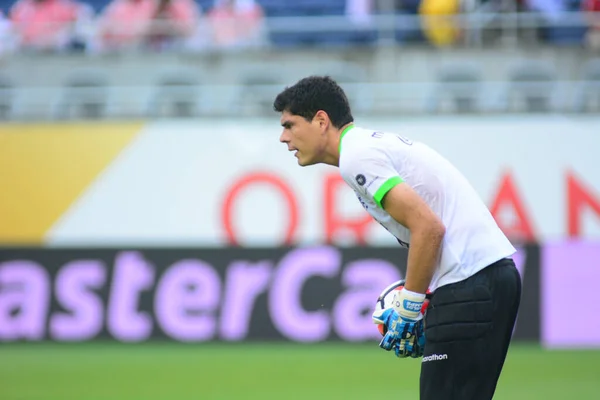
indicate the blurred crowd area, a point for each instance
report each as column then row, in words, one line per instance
column 101, row 26
column 119, row 59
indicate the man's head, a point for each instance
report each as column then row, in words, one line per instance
column 313, row 111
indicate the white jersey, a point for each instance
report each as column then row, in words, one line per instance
column 373, row 162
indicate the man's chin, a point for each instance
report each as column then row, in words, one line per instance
column 304, row 163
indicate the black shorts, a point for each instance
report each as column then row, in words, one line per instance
column 468, row 327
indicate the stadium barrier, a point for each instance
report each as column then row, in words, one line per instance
column 298, row 294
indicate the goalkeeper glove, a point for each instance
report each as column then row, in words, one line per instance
column 404, row 323
column 412, row 347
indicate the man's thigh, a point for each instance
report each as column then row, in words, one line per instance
column 468, row 328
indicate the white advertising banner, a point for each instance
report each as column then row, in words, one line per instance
column 205, row 182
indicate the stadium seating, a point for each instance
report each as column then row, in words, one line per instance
column 355, row 35
column 351, row 55
column 460, row 83
column 279, row 8
column 175, row 95
column 588, row 98
column 314, row 37
column 85, row 95
column 531, row 83
column 6, row 98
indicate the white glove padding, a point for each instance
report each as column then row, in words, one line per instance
column 408, row 304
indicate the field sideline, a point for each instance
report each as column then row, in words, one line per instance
column 265, row 371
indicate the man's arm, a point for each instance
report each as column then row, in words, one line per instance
column 426, row 234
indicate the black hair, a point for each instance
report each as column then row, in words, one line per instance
column 314, row 93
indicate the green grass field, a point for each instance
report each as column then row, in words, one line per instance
column 265, row 371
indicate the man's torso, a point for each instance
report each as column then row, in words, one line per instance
column 371, row 161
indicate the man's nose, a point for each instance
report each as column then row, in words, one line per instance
column 284, row 137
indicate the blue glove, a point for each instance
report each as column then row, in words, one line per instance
column 414, row 346
column 404, row 323
column 406, row 337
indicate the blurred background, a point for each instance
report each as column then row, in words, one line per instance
column 158, row 242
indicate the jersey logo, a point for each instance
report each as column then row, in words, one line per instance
column 405, row 140
column 362, row 202
column 372, row 182
column 360, row 179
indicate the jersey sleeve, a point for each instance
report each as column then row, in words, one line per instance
column 370, row 172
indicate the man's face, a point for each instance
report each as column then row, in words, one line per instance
column 306, row 138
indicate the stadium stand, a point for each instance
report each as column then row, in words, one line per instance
column 460, row 85
column 84, row 96
column 532, row 85
column 588, row 98
column 175, row 95
column 388, row 59
column 289, row 14
column 6, row 98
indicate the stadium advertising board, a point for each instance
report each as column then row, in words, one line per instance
column 304, row 294
column 570, row 267
column 217, row 183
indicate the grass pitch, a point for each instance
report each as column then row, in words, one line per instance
column 171, row 371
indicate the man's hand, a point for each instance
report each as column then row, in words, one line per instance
column 414, row 346
column 404, row 323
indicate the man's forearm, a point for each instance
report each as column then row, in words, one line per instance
column 423, row 256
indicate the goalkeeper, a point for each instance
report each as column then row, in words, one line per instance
column 456, row 250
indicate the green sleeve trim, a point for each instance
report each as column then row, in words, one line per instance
column 383, row 189
column 348, row 128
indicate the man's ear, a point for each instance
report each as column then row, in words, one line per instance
column 322, row 119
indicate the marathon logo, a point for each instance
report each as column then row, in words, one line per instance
column 435, row 357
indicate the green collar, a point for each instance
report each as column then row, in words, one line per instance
column 348, row 128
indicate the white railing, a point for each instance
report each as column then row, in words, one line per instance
column 393, row 98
